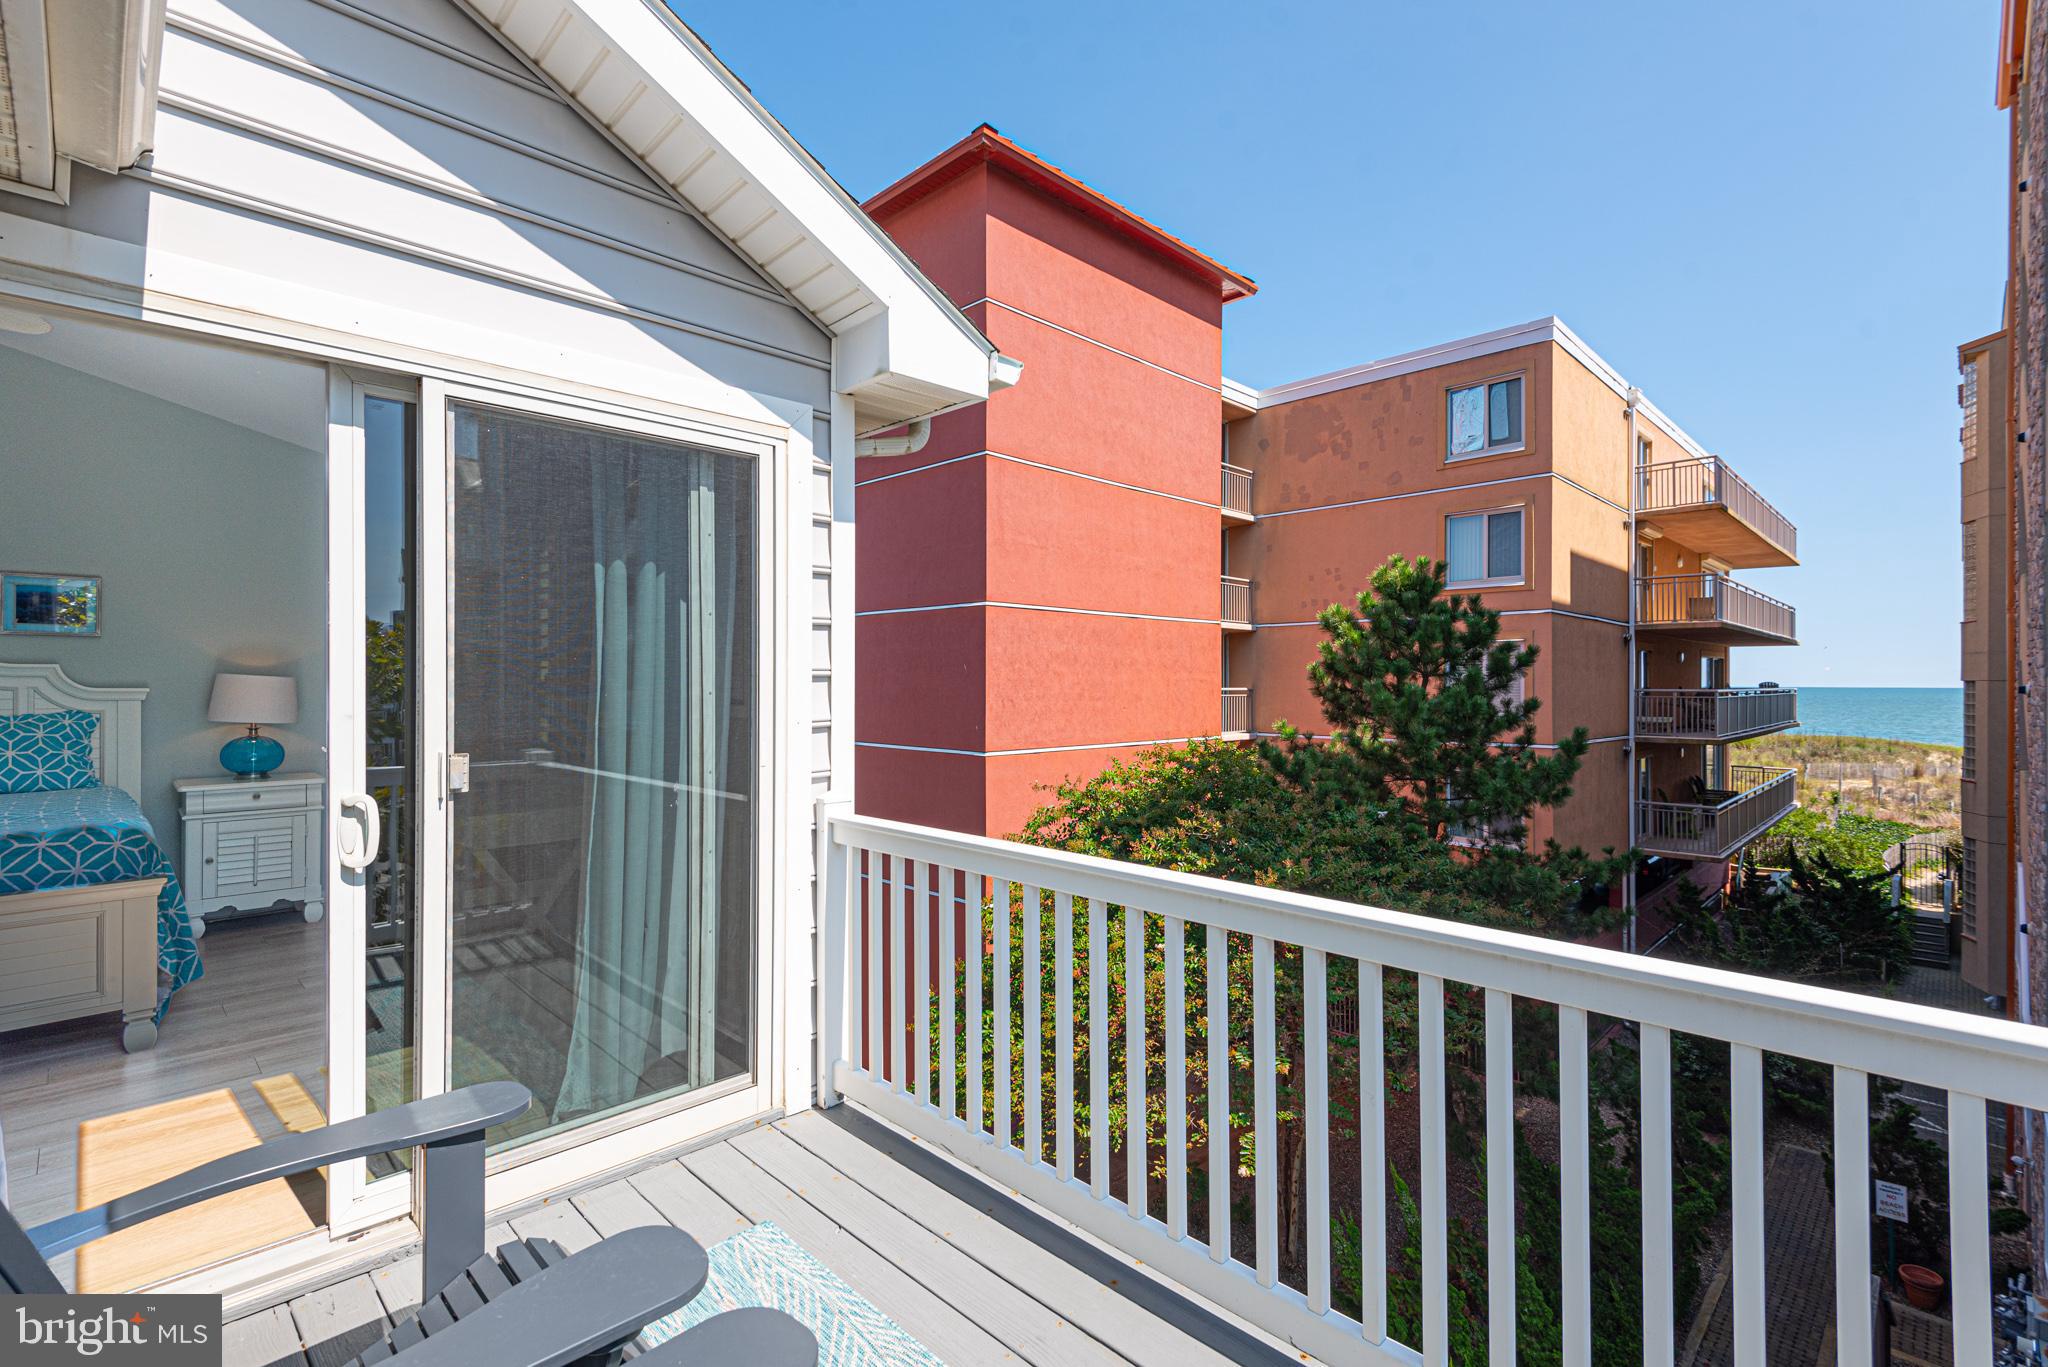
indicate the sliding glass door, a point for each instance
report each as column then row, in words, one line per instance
column 604, row 718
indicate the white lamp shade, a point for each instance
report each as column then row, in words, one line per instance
column 254, row 699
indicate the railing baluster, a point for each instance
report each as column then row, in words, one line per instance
column 899, row 930
column 1852, row 1218
column 874, row 905
column 1746, row 1122
column 947, row 1023
column 921, row 974
column 1098, row 1049
column 971, row 885
column 1500, row 1178
column 1174, row 1022
column 1574, row 1194
column 1063, row 1032
column 1429, row 1044
column 999, row 1048
column 1658, row 1345
column 1216, row 1003
column 1134, row 1062
column 1969, row 1228
column 1032, row 909
column 1372, row 1152
column 1315, row 1026
column 1265, row 1109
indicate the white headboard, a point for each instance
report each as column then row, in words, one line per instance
column 117, row 743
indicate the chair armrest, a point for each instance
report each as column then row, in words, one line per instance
column 454, row 1118
column 592, row 1301
column 751, row 1334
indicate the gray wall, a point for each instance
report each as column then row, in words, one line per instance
column 208, row 539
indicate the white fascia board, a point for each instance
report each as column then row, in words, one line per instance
column 923, row 341
column 1239, row 394
column 1551, row 329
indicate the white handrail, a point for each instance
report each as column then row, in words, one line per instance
column 870, row 862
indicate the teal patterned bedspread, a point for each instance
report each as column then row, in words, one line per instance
column 81, row 837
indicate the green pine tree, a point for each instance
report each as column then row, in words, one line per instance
column 1414, row 684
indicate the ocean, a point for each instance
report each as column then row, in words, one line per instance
column 1932, row 716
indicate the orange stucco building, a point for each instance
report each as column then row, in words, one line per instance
column 1128, row 549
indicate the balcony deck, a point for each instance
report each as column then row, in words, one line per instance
column 970, row 1273
column 1714, row 715
column 1715, row 511
column 1715, row 610
column 1758, row 797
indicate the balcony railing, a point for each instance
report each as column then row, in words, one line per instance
column 1101, row 1115
column 1237, row 603
column 1714, row 607
column 1687, row 485
column 1237, row 712
column 1719, row 821
column 1714, row 714
column 1237, row 491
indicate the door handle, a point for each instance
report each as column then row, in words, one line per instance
column 372, row 824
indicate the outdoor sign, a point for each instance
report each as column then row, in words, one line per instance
column 1891, row 1201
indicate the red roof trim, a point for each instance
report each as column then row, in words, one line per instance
column 986, row 145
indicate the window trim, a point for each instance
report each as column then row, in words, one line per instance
column 1518, row 579
column 1506, row 448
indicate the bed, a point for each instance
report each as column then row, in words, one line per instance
column 90, row 906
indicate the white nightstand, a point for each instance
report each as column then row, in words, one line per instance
column 251, row 844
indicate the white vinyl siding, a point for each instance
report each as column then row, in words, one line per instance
column 1484, row 548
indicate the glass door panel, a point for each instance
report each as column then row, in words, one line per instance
column 604, row 716
column 390, row 762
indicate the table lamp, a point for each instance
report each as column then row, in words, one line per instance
column 254, row 701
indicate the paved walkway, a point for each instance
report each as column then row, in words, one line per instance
column 1799, row 1282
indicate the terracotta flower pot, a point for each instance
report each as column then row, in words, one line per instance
column 1923, row 1285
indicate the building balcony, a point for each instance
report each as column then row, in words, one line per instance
column 1715, row 511
column 1010, row 1051
column 1237, row 603
column 1714, row 609
column 1237, row 713
column 1714, row 715
column 1716, row 822
column 1237, row 493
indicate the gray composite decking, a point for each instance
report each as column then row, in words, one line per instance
column 970, row 1272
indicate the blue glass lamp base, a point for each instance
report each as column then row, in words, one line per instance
column 251, row 756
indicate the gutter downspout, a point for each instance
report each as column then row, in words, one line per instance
column 909, row 444
column 1629, row 780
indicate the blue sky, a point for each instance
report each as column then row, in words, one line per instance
column 1778, row 219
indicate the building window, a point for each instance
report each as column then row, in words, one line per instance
column 1484, row 548
column 1970, row 731
column 1485, row 418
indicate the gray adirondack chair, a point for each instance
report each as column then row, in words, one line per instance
column 531, row 1306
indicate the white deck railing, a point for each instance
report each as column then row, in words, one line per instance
column 901, row 903
column 1237, row 490
column 1714, row 713
column 1237, row 711
column 1237, row 601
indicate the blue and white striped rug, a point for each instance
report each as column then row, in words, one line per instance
column 764, row 1266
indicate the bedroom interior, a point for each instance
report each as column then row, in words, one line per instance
column 600, row 941
column 194, row 493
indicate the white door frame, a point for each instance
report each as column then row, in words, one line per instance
column 353, row 1201
column 529, row 1171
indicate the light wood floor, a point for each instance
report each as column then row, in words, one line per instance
column 260, row 1009
column 971, row 1273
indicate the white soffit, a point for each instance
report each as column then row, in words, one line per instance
column 903, row 351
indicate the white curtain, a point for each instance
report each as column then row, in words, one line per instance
column 665, row 601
